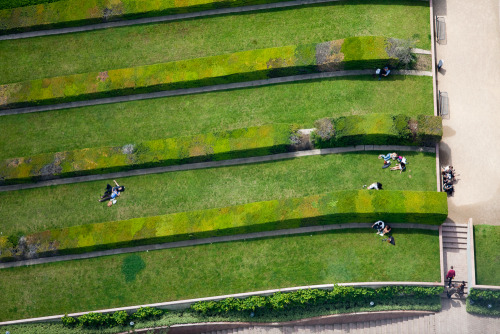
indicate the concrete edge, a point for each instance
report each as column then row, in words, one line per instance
column 204, row 241
column 213, row 164
column 471, row 265
column 433, row 52
column 321, row 320
column 183, row 304
column 438, row 169
column 441, row 254
column 487, row 287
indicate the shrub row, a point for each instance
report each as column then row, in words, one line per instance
column 377, row 129
column 119, row 318
column 46, row 14
column 354, row 52
column 338, row 297
column 360, row 206
column 255, row 141
column 484, row 302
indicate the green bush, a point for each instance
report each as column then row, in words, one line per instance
column 119, row 318
column 239, row 143
column 378, row 129
column 360, row 206
column 338, row 297
column 484, row 302
column 46, row 14
column 222, row 69
column 147, row 313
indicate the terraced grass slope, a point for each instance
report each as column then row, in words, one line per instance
column 79, row 128
column 217, row 269
column 374, row 129
column 350, row 54
column 109, row 49
column 354, row 206
column 36, row 210
column 75, row 12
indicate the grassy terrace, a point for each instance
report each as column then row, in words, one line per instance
column 148, row 44
column 487, row 253
column 217, row 269
column 194, row 114
column 39, row 209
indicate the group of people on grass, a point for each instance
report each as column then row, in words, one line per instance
column 448, row 174
column 402, row 162
column 383, row 229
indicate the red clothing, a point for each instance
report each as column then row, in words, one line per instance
column 451, row 273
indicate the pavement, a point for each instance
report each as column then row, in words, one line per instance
column 471, row 76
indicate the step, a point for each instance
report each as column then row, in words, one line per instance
column 454, row 228
column 455, row 240
column 454, row 224
column 454, row 245
column 450, row 234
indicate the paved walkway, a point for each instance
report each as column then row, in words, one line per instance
column 206, row 89
column 471, row 76
column 213, row 164
column 166, row 18
column 187, row 243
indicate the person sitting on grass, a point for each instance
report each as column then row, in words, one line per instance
column 379, row 226
column 383, row 72
column 386, row 230
column 390, row 240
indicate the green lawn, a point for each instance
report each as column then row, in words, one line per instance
column 107, row 49
column 131, row 122
column 34, row 210
column 217, row 269
column 487, row 254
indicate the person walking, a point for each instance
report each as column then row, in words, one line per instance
column 450, row 276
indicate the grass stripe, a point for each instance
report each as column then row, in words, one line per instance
column 138, row 121
column 217, row 269
column 125, row 47
column 34, row 210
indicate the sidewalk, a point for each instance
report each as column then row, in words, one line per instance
column 471, row 76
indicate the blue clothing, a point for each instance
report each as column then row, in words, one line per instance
column 386, row 157
column 114, row 194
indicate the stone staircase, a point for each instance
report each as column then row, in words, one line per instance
column 454, row 236
column 406, row 325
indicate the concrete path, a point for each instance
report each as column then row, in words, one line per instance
column 187, row 243
column 213, row 164
column 471, row 76
column 166, row 18
column 206, row 89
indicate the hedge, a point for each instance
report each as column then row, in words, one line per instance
column 239, row 143
column 378, row 129
column 57, row 14
column 22, row 3
column 484, row 302
column 118, row 318
column 369, row 52
column 361, row 206
column 338, row 297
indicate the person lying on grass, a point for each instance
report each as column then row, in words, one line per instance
column 111, row 193
column 387, row 158
column 376, row 186
column 401, row 167
column 386, row 230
